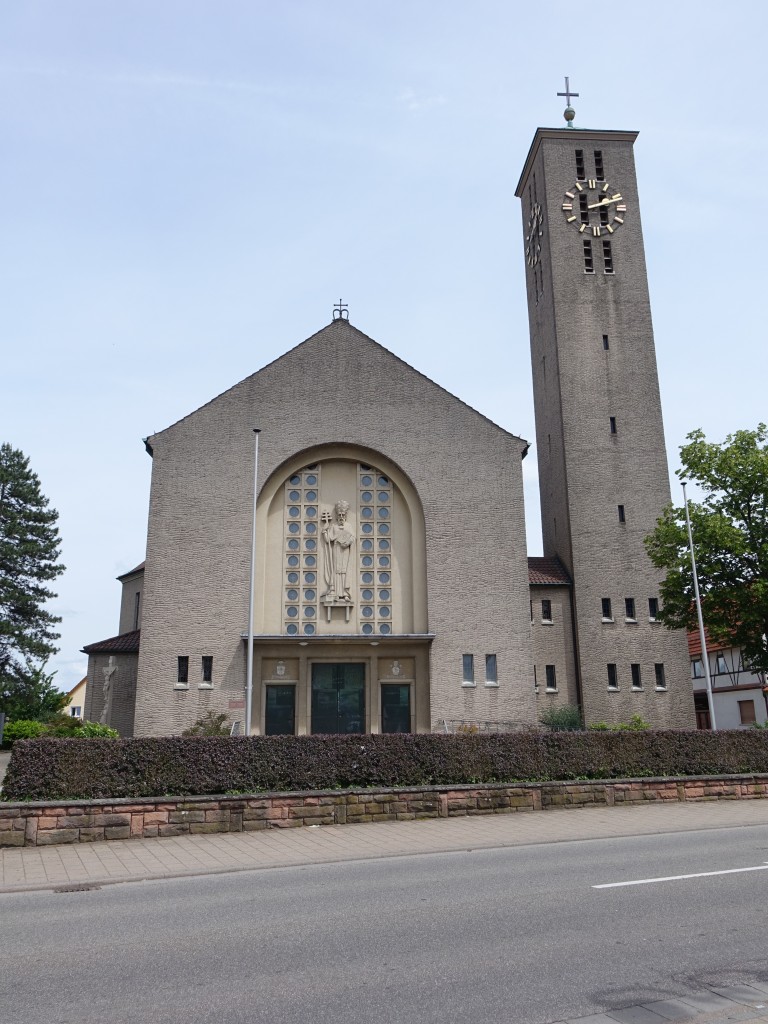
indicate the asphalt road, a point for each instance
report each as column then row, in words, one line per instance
column 519, row 936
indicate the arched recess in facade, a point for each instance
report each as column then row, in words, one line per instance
column 341, row 548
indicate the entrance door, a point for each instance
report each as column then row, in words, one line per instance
column 338, row 698
column 395, row 707
column 280, row 712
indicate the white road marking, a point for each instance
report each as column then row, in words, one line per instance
column 677, row 878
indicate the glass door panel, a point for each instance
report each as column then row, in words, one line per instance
column 395, row 707
column 280, row 713
column 338, row 698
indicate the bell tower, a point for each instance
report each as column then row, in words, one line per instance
column 603, row 473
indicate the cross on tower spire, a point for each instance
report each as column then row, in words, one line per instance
column 569, row 113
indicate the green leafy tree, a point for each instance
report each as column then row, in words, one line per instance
column 730, row 536
column 29, row 554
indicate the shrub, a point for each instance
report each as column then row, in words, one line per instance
column 22, row 729
column 53, row 769
column 563, row 719
column 59, row 726
column 209, row 724
column 635, row 724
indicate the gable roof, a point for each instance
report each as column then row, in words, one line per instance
column 335, row 326
column 547, row 572
column 132, row 572
column 125, row 643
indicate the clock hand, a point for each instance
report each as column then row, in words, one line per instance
column 605, row 202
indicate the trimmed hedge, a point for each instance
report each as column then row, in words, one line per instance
column 51, row 769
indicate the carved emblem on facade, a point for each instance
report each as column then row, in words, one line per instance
column 280, row 669
column 396, row 668
column 338, row 542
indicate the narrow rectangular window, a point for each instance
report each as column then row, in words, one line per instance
column 136, row 609
column 606, row 346
column 747, row 712
column 599, row 170
column 720, row 665
column 661, row 680
column 622, row 515
column 546, row 611
column 531, row 611
column 551, row 677
column 468, row 665
column 637, row 679
column 580, row 174
column 613, row 678
column 182, row 673
column 535, row 680
column 653, row 608
column 207, row 668
column 629, row 608
column 589, row 265
column 607, row 613
column 583, row 208
column 491, row 673
column 614, row 429
column 697, row 669
column 607, row 256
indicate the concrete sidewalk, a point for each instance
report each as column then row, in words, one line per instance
column 104, row 863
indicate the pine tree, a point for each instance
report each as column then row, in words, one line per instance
column 29, row 553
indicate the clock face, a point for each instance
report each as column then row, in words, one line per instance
column 533, row 233
column 594, row 207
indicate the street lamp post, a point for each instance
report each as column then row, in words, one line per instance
column 251, row 588
column 702, row 634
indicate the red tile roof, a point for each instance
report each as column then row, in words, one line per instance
column 125, row 643
column 694, row 644
column 548, row 571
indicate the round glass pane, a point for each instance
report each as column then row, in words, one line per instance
column 292, row 629
column 383, row 496
column 366, row 481
column 382, row 482
column 384, row 577
column 383, row 595
column 310, row 560
column 367, row 527
column 295, row 480
column 384, row 545
column 309, row 629
column 367, row 560
column 367, row 545
column 309, row 577
column 311, row 527
column 367, row 595
column 367, row 612
column 367, row 577
column 293, row 577
column 293, row 595
column 292, row 612
column 311, row 480
column 309, row 595
column 294, row 511
column 311, row 511
column 383, row 512
column 383, row 527
column 367, row 628
column 384, row 612
column 366, row 496
column 293, row 527
column 293, row 545
column 384, row 561
column 366, row 512
column 310, row 544
column 309, row 612
column 294, row 495
column 311, row 496
column 293, row 560
column 385, row 628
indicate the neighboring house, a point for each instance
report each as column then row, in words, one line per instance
column 737, row 692
column 393, row 591
column 76, row 700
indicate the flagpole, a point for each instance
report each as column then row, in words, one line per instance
column 702, row 634
column 251, row 588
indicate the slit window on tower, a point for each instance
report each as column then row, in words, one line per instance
column 622, row 515
column 614, row 429
column 580, row 165
column 589, row 264
column 584, row 207
column 607, row 256
column 599, row 171
column 606, row 345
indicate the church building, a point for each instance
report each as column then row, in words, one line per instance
column 337, row 544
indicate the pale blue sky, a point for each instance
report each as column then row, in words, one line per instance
column 187, row 187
